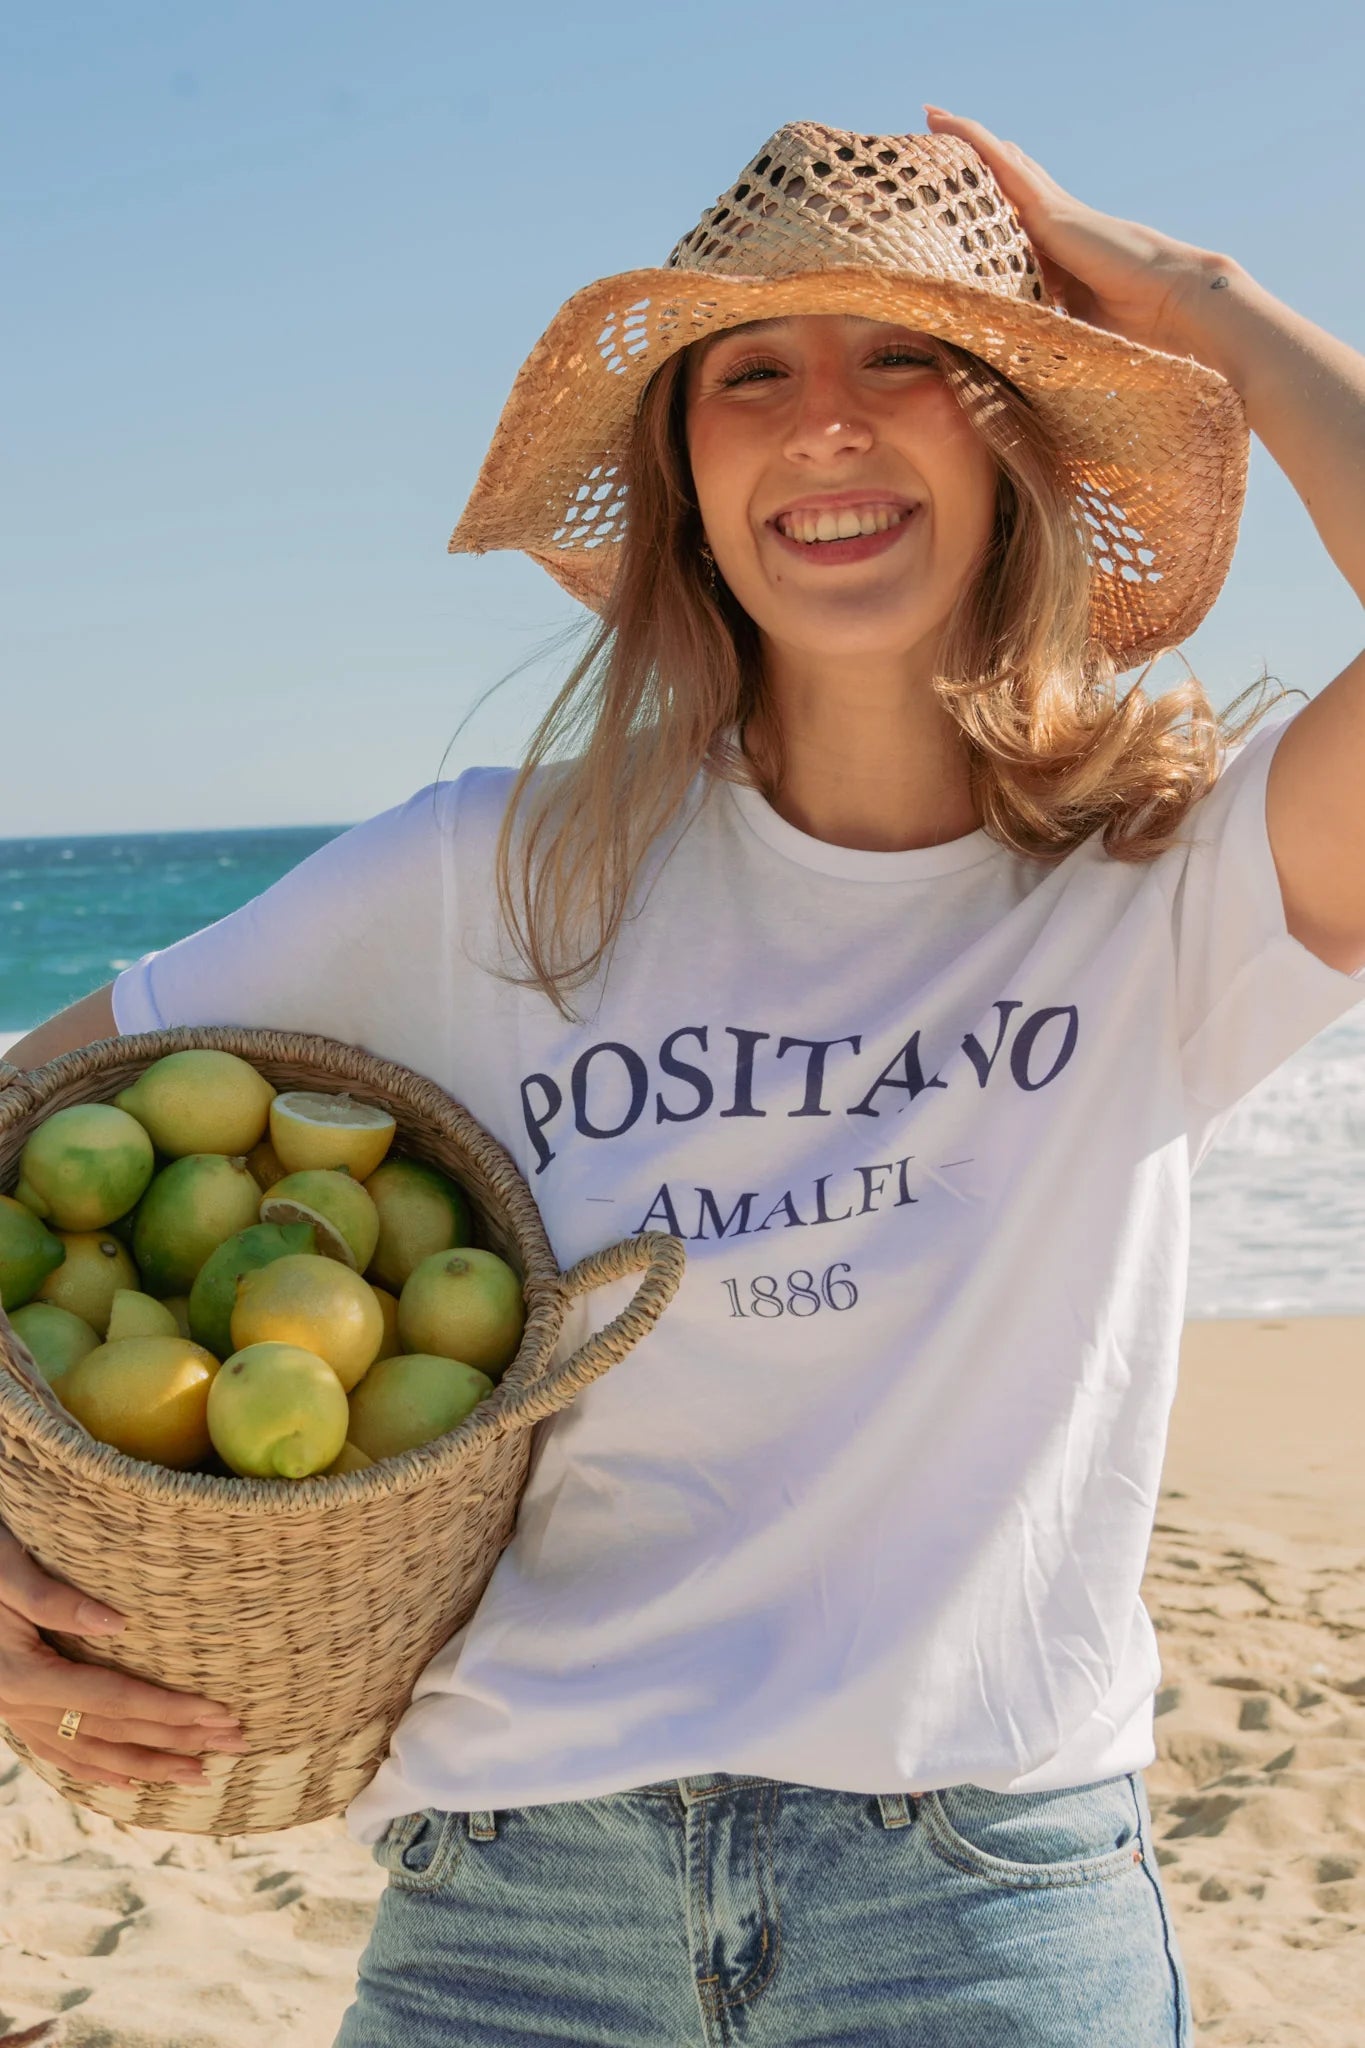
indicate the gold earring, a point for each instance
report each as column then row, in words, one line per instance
column 710, row 561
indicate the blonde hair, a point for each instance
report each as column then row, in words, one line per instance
column 1054, row 754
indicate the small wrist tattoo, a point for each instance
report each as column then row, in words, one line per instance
column 1219, row 284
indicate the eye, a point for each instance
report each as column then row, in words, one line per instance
column 748, row 369
column 897, row 355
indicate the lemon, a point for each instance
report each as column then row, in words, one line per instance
column 147, row 1396
column 263, row 1165
column 215, row 1284
column 139, row 1315
column 420, row 1212
column 309, row 1129
column 388, row 1307
column 95, row 1267
column 28, row 1253
column 277, row 1411
column 200, row 1100
column 189, row 1209
column 343, row 1215
column 464, row 1304
column 350, row 1458
column 55, row 1337
column 411, row 1399
column 314, row 1303
column 84, row 1166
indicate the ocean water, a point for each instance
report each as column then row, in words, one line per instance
column 1278, row 1205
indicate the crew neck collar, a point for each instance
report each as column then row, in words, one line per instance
column 856, row 863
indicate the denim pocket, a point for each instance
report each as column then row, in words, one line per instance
column 420, row 1850
column 1081, row 1834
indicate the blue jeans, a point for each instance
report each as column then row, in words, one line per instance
column 726, row 1909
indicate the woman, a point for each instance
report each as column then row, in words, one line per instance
column 812, row 1697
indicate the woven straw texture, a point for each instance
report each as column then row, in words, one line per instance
column 909, row 228
column 308, row 1607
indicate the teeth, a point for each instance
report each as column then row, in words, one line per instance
column 845, row 524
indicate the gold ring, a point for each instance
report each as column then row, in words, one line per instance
column 69, row 1723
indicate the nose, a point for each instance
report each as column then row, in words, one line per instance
column 827, row 421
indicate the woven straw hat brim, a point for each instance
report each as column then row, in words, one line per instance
column 1153, row 447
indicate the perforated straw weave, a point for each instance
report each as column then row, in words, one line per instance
column 905, row 228
column 309, row 1607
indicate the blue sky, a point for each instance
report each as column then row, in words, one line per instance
column 270, row 271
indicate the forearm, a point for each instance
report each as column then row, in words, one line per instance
column 82, row 1023
column 1304, row 392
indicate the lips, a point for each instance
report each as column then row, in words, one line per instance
column 829, row 535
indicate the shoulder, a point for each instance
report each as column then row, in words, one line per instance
column 1238, row 785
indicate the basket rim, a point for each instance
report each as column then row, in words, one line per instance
column 543, row 1284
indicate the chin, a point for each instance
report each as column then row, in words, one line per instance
column 851, row 627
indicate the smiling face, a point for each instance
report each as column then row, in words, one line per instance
column 843, row 491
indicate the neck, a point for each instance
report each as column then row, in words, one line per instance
column 873, row 761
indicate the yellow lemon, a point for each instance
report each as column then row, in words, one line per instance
column 349, row 1459
column 420, row 1212
column 147, row 1396
column 310, row 1129
column 200, row 1100
column 409, row 1400
column 315, row 1304
column 215, row 1284
column 463, row 1304
column 54, row 1336
column 277, row 1411
column 388, row 1306
column 84, row 1166
column 96, row 1266
column 186, row 1213
column 337, row 1206
column 28, row 1253
column 139, row 1315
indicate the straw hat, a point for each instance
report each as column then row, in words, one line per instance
column 906, row 228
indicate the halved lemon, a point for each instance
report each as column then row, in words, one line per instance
column 310, row 1130
column 342, row 1214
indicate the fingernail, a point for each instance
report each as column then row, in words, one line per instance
column 91, row 1615
column 218, row 1720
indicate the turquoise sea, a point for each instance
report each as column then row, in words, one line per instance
column 1278, row 1205
column 74, row 912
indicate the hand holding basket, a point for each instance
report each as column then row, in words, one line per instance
column 309, row 1607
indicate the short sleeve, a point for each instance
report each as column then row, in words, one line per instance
column 1248, row 993
column 353, row 943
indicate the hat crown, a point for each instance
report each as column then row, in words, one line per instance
column 817, row 198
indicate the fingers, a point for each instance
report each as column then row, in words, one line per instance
column 155, row 1736
column 104, row 1761
column 1007, row 161
column 31, row 1592
column 36, row 1679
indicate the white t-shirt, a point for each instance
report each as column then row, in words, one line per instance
column 869, row 1508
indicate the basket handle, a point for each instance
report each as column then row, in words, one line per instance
column 663, row 1258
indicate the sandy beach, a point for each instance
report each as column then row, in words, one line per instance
column 122, row 1938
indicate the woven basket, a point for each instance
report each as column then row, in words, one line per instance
column 311, row 1607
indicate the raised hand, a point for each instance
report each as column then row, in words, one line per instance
column 1132, row 280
